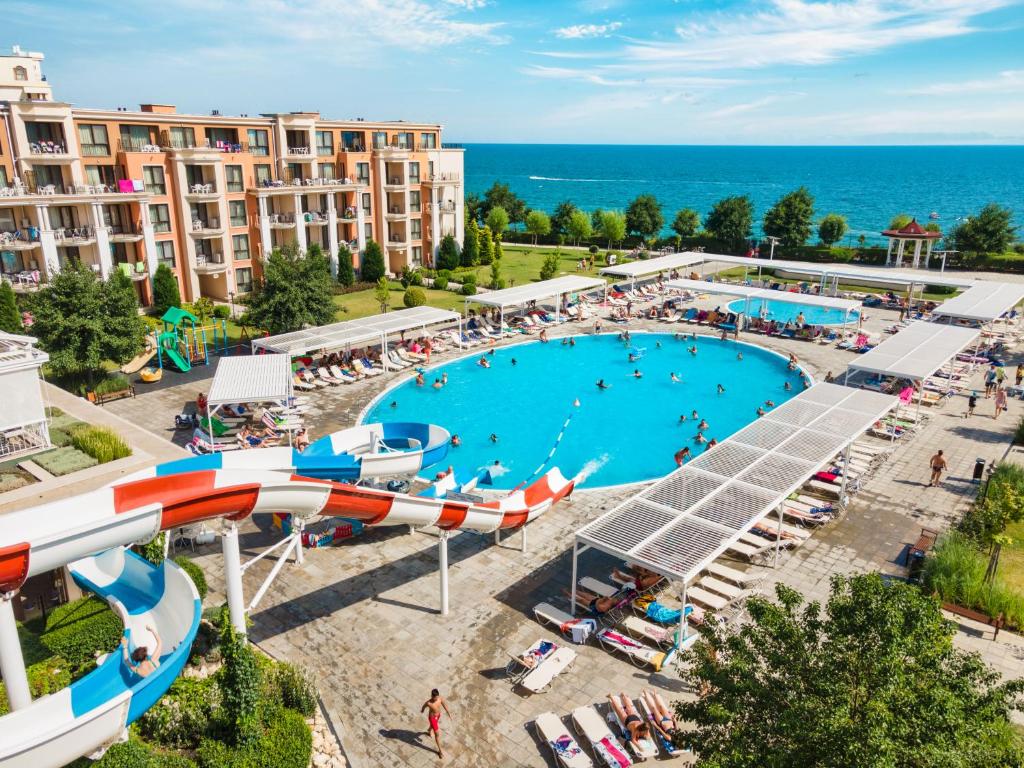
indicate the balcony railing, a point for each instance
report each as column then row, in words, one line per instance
column 441, row 177
column 186, row 142
column 298, row 151
column 448, row 207
column 281, row 219
column 130, row 144
column 47, row 148
column 356, row 147
column 123, row 230
column 207, row 263
column 201, row 190
column 314, row 217
column 205, row 225
column 449, row 145
column 19, row 237
column 74, row 235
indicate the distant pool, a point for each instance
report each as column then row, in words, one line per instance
column 626, row 433
column 784, row 310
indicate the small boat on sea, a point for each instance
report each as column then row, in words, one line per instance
column 934, row 215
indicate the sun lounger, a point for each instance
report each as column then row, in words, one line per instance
column 325, row 375
column 547, row 613
column 774, row 528
column 723, row 588
column 707, row 599
column 593, row 729
column 568, row 753
column 749, row 550
column 645, row 630
column 642, row 749
column 640, row 655
column 340, row 375
column 742, row 578
column 519, row 666
column 598, row 587
column 309, row 378
column 670, row 749
column 539, row 678
column 302, row 384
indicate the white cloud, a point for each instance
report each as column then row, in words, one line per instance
column 739, row 109
column 580, row 31
column 594, row 78
column 469, row 5
column 1008, row 81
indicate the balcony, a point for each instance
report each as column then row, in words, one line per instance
column 119, row 233
column 205, row 229
column 279, row 220
column 198, row 193
column 443, row 178
column 138, row 145
column 315, row 218
column 446, row 207
column 395, row 213
column 210, row 264
column 301, row 153
column 48, row 151
column 19, row 240
column 357, row 147
column 394, row 182
column 74, row 236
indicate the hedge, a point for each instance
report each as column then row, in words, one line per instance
column 292, row 687
column 286, row 742
column 46, row 677
column 135, row 754
column 181, row 717
column 112, row 384
column 64, row 461
column 195, row 573
column 102, row 443
column 76, row 631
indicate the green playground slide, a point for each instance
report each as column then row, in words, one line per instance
column 169, row 342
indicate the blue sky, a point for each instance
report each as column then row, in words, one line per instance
column 588, row 71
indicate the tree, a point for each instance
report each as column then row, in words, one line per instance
column 346, row 275
column 899, row 221
column 537, row 223
column 832, row 228
column 595, row 219
column 560, row 218
column 643, row 216
column 372, row 268
column 549, row 268
column 382, row 293
column 497, row 247
column 81, row 321
column 500, row 195
column 578, row 227
column 731, row 220
column 497, row 220
column 991, row 231
column 10, row 318
column 296, row 291
column 790, row 218
column 497, row 281
column 612, row 227
column 471, row 245
column 485, row 245
column 239, row 683
column 473, row 206
column 448, row 255
column 873, row 680
column 165, row 290
column 686, row 222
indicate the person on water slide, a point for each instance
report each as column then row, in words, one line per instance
column 140, row 661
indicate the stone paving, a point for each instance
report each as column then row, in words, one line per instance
column 364, row 617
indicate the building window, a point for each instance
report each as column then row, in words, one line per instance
column 263, row 174
column 138, row 138
column 428, row 141
column 182, row 137
column 415, row 206
column 93, row 139
column 404, row 140
column 3, row 177
column 240, row 247
column 416, row 229
column 430, row 169
column 324, row 142
column 153, row 179
column 165, row 253
column 380, row 139
column 327, row 171
column 366, row 203
column 363, row 173
column 243, row 279
column 222, row 138
column 236, row 209
column 414, row 173
column 417, row 254
column 100, row 174
column 161, row 217
column 259, row 144
column 353, row 141
column 368, row 230
column 233, row 174
column 20, row 73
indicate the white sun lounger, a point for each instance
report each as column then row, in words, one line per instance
column 339, row 374
column 639, row 654
column 723, row 588
column 742, row 578
column 774, row 528
column 309, row 378
column 568, row 753
column 598, row 587
column 707, row 599
column 540, row 677
column 642, row 749
column 593, row 729
column 645, row 630
column 326, row 376
column 547, row 613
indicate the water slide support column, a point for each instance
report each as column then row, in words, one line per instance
column 12, row 662
column 442, row 565
column 778, row 538
column 233, row 578
column 846, row 469
column 522, row 544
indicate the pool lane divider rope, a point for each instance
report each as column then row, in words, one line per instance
column 551, row 454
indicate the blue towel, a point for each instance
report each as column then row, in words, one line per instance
column 659, row 613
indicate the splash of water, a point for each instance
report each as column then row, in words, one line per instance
column 591, row 467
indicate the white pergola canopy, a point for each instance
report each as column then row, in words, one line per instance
column 916, row 352
column 545, row 289
column 686, row 520
column 984, row 302
column 362, row 331
column 644, row 267
column 753, row 292
column 251, row 379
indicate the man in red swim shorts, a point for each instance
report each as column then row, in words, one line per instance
column 433, row 706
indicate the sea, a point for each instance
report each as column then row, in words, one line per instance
column 868, row 185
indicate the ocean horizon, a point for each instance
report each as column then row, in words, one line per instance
column 867, row 184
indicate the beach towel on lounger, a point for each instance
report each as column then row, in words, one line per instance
column 611, row 753
column 659, row 613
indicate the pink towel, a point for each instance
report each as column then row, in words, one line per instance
column 611, row 750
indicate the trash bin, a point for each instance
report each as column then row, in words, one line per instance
column 979, row 470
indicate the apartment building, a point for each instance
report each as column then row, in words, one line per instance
column 208, row 195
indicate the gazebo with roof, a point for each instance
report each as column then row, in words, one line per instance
column 912, row 233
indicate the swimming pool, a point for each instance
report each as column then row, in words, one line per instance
column 626, row 433
column 784, row 310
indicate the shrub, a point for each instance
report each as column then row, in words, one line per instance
column 593, row 249
column 10, row 481
column 441, row 282
column 239, row 681
column 181, row 717
column 47, row 676
column 1018, row 433
column 468, row 276
column 153, row 550
column 194, row 572
column 414, row 297
column 76, row 631
column 112, row 384
column 468, row 289
column 292, row 687
column 64, row 461
column 550, row 266
column 286, row 742
column 221, row 312
column 102, row 443
column 1003, row 503
column 130, row 754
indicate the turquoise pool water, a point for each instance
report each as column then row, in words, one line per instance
column 784, row 310
column 626, row 433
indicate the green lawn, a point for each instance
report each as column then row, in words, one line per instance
column 352, row 306
column 522, row 263
column 1011, row 561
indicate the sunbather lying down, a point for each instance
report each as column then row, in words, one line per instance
column 636, row 727
column 640, row 577
column 661, row 716
column 597, row 605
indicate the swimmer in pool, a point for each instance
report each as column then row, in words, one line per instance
column 456, row 441
column 681, row 455
column 787, row 386
column 711, row 444
column 565, row 341
column 760, row 411
column 657, row 345
column 699, row 438
column 483, row 362
column 693, row 350
column 572, row 342
column 444, row 377
column 437, row 384
column 703, row 425
column 769, row 403
column 637, row 374
column 394, row 403
column 513, row 361
column 682, row 418
column 675, row 378
column 633, row 358
column 601, row 384
column 420, row 381
column 721, row 389
column 694, row 415
column 739, row 355
column 494, row 438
